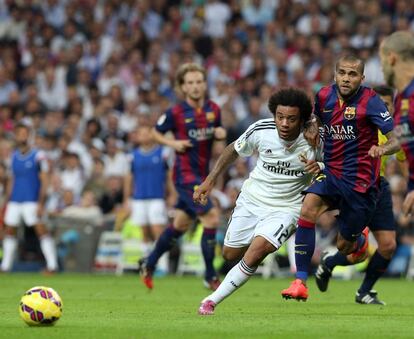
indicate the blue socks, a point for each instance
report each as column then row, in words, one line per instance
column 304, row 247
column 208, row 248
column 166, row 241
column 376, row 268
column 338, row 259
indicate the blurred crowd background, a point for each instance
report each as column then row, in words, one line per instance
column 86, row 73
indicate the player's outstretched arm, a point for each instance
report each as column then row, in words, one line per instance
column 228, row 156
column 390, row 147
column 178, row 145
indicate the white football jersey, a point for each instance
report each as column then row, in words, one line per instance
column 279, row 176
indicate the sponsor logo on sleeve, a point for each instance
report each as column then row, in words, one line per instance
column 385, row 115
column 161, row 119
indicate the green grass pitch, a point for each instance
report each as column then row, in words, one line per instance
column 103, row 306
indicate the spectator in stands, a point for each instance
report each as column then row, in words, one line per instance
column 86, row 210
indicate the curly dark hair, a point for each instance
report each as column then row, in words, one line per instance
column 292, row 97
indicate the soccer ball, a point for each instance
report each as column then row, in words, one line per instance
column 40, row 306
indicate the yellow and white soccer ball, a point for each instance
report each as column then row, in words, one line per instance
column 40, row 306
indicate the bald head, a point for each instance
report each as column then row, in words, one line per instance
column 401, row 43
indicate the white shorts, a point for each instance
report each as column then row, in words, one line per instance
column 149, row 212
column 18, row 211
column 246, row 224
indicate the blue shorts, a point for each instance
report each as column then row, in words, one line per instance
column 383, row 218
column 355, row 209
column 185, row 202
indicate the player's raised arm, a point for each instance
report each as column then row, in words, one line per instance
column 228, row 156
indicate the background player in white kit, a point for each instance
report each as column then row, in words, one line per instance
column 269, row 204
column 26, row 200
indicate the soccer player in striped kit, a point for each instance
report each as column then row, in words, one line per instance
column 350, row 115
column 382, row 226
column 195, row 123
column 29, row 178
column 397, row 60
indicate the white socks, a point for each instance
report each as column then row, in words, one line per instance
column 47, row 244
column 9, row 250
column 236, row 277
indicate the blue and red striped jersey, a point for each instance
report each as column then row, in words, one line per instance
column 404, row 125
column 350, row 130
column 197, row 125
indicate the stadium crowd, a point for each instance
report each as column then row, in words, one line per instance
column 84, row 74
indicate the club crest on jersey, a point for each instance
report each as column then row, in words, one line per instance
column 210, row 116
column 349, row 113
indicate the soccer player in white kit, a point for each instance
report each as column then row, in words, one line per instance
column 29, row 177
column 269, row 204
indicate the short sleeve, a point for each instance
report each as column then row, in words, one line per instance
column 42, row 162
column 165, row 122
column 379, row 115
column 247, row 142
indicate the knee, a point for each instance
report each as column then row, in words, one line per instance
column 231, row 254
column 254, row 256
column 345, row 247
column 181, row 226
column 308, row 212
column 387, row 248
column 267, row 249
column 10, row 231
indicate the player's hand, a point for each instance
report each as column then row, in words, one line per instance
column 311, row 133
column 408, row 205
column 181, row 145
column 220, row 133
column 312, row 167
column 376, row 151
column 201, row 193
